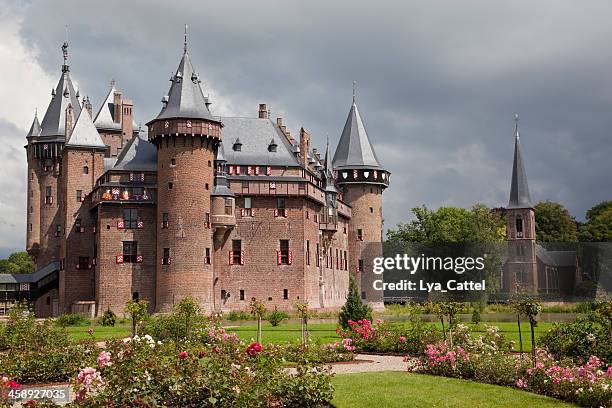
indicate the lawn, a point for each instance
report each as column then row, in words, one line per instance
column 99, row 332
column 402, row 389
column 322, row 332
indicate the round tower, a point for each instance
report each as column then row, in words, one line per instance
column 361, row 180
column 33, row 193
column 186, row 136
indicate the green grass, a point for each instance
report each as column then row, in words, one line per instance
column 402, row 389
column 99, row 332
column 323, row 332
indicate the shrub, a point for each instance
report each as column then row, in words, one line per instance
column 137, row 309
column 354, row 309
column 236, row 315
column 476, row 316
column 72, row 319
column 109, row 318
column 276, row 317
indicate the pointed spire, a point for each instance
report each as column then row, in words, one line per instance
column 354, row 149
column 35, row 128
column 354, row 90
column 221, row 189
column 104, row 119
column 328, row 174
column 185, row 97
column 185, row 42
column 519, row 189
column 84, row 133
column 65, row 67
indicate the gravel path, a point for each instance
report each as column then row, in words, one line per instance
column 370, row 363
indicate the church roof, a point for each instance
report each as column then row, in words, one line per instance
column 255, row 135
column 519, row 189
column 54, row 121
column 138, row 155
column 354, row 149
column 556, row 258
column 84, row 133
column 185, row 98
column 35, row 128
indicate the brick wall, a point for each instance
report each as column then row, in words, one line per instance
column 33, row 206
column 49, row 214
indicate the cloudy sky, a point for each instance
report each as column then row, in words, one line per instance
column 438, row 84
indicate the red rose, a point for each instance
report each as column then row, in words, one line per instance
column 13, row 385
column 257, row 347
column 202, row 354
column 183, row 355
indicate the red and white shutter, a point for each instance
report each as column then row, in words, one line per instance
column 355, row 174
column 119, row 259
column 290, row 258
column 276, row 212
column 78, row 266
column 140, row 224
column 231, row 257
column 142, row 177
column 168, row 261
column 241, row 257
column 230, row 170
column 257, row 170
column 237, row 169
column 252, row 212
column 120, row 224
column 286, row 212
column 131, row 176
column 268, row 171
column 279, row 257
column 139, row 258
column 242, row 212
column 250, row 170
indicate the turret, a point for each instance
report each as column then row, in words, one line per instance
column 521, row 269
column 361, row 180
column 186, row 136
column 223, row 200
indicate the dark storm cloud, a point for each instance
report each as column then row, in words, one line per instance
column 439, row 81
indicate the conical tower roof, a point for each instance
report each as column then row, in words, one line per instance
column 105, row 118
column 35, row 128
column 354, row 149
column 84, row 133
column 519, row 189
column 328, row 173
column 54, row 121
column 221, row 189
column 185, row 98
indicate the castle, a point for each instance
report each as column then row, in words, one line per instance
column 222, row 209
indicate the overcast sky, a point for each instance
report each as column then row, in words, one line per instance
column 438, row 84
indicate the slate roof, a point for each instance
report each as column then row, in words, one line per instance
column 105, row 118
column 30, row 277
column 328, row 173
column 221, row 188
column 354, row 149
column 84, row 133
column 109, row 162
column 138, row 155
column 185, row 97
column 556, row 258
column 54, row 121
column 35, row 128
column 519, row 189
column 255, row 135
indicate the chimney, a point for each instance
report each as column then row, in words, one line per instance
column 279, row 122
column 69, row 122
column 127, row 126
column 304, row 145
column 117, row 107
column 263, row 111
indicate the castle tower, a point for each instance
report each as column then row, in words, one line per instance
column 186, row 136
column 521, row 269
column 362, row 181
column 44, row 156
column 82, row 164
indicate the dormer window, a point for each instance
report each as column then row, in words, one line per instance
column 178, row 77
column 237, row 145
column 272, row 146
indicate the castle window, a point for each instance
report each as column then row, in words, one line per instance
column 79, row 195
column 135, row 296
column 170, row 185
column 248, row 207
column 77, row 225
column 237, row 252
column 206, row 186
column 307, row 252
column 32, row 176
column 229, row 206
column 85, row 170
column 307, row 215
column 359, row 235
column 363, row 295
column 30, row 227
column 209, row 164
column 207, row 220
column 345, row 261
column 284, row 251
column 130, row 218
column 371, row 210
column 224, row 295
column 166, row 257
column 83, row 262
column 241, row 294
column 31, row 209
column 281, row 211
column 317, row 260
column 58, row 230
column 48, row 195
column 165, row 220
column 285, row 294
column 172, row 162
column 130, row 251
column 207, row 259
column 337, row 260
column 360, row 265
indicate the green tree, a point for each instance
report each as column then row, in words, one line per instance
column 598, row 227
column 137, row 309
column 17, row 262
column 258, row 310
column 554, row 223
column 354, row 309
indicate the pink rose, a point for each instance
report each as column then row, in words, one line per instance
column 183, row 355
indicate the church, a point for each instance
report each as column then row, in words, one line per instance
column 221, row 209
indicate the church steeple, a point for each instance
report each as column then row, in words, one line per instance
column 519, row 189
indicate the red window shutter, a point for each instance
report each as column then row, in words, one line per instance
column 286, row 212
column 242, row 212
column 241, row 257
column 276, row 212
column 139, row 258
column 78, row 266
column 142, row 177
column 230, row 170
column 354, row 174
column 252, row 212
column 93, row 261
column 237, row 169
column 50, row 200
column 82, row 198
column 250, row 170
column 268, row 171
column 279, row 257
column 290, row 257
column 169, row 261
column 131, row 176
column 119, row 259
column 120, row 224
column 257, row 170
column 140, row 224
column 231, row 257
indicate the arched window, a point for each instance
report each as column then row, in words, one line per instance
column 519, row 226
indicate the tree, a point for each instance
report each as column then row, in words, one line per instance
column 258, row 310
column 554, row 223
column 17, row 262
column 302, row 308
column 137, row 309
column 354, row 309
column 598, row 227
